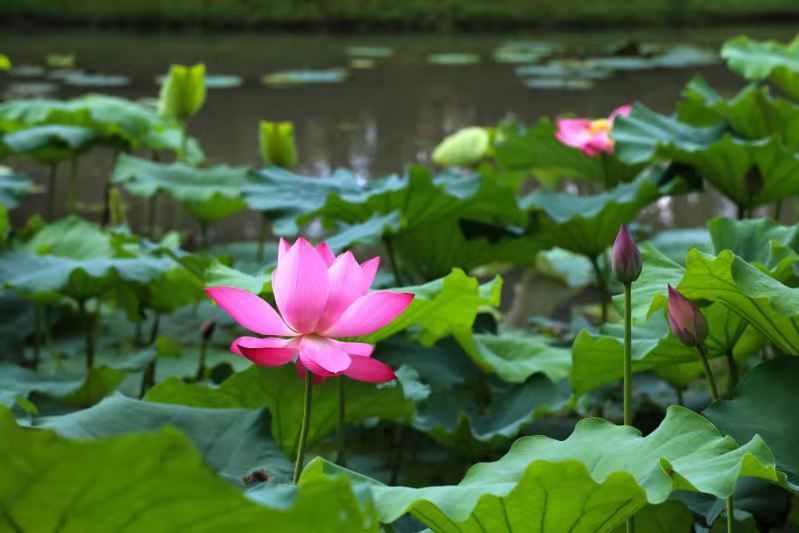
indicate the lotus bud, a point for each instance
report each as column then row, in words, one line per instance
column 182, row 92
column 685, row 319
column 207, row 330
column 625, row 259
column 5, row 63
column 463, row 148
column 277, row 144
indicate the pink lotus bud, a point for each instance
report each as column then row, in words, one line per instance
column 685, row 319
column 207, row 329
column 626, row 259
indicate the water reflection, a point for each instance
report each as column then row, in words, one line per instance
column 378, row 121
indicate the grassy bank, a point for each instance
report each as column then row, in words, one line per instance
column 365, row 15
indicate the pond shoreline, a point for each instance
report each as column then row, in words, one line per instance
column 38, row 18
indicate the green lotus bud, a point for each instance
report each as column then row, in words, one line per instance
column 277, row 144
column 5, row 63
column 182, row 92
column 463, row 148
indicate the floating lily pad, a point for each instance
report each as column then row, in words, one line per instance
column 288, row 78
column 523, row 52
column 565, row 70
column 621, row 63
column 60, row 60
column 362, row 63
column 213, row 81
column 81, row 79
column 32, row 89
column 684, row 56
column 557, row 83
column 371, row 52
column 27, row 71
column 453, row 59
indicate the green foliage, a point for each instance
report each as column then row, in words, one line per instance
column 592, row 481
column 463, row 148
column 280, row 390
column 209, row 194
column 765, row 60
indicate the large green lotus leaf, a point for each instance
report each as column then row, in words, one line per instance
column 763, row 405
column 675, row 243
column 154, row 482
column 210, row 194
column 592, row 481
column 750, row 173
column 75, row 389
column 514, row 356
column 458, row 420
column 116, row 121
column 753, row 113
column 765, row 60
column 598, row 359
column 49, row 144
column 12, row 186
column 281, row 391
column 234, row 442
column 446, row 306
column 436, row 248
column 587, row 225
column 77, row 259
column 536, row 148
column 422, row 198
column 769, row 306
column 762, row 242
column 666, row 517
column 281, row 194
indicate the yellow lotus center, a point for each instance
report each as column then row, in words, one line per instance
column 601, row 125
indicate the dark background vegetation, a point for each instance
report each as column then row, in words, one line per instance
column 367, row 15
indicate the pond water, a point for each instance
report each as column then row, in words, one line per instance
column 378, row 119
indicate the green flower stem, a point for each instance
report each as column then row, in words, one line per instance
column 628, row 354
column 152, row 212
column 37, row 334
column 628, row 369
column 148, row 379
column 72, row 199
column 88, row 330
column 51, row 178
column 184, row 142
column 306, row 422
column 714, row 391
column 341, row 452
column 733, row 366
column 778, row 210
column 392, row 259
column 601, row 285
column 201, row 365
column 261, row 238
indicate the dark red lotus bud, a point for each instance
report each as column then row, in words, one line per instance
column 625, row 259
column 685, row 319
column 208, row 329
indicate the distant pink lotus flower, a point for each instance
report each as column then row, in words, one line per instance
column 321, row 297
column 590, row 136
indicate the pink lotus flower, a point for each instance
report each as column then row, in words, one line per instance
column 321, row 297
column 590, row 136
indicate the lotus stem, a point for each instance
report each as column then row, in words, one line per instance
column 730, row 519
column 628, row 368
column 396, row 455
column 714, row 392
column 392, row 259
column 778, row 210
column 261, row 239
column 733, row 366
column 203, row 235
column 152, row 211
column 201, row 365
column 601, row 285
column 88, row 330
column 72, row 199
column 306, row 422
column 148, row 379
column 341, row 458
column 628, row 361
column 51, row 178
column 184, row 142
column 680, row 399
column 37, row 335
